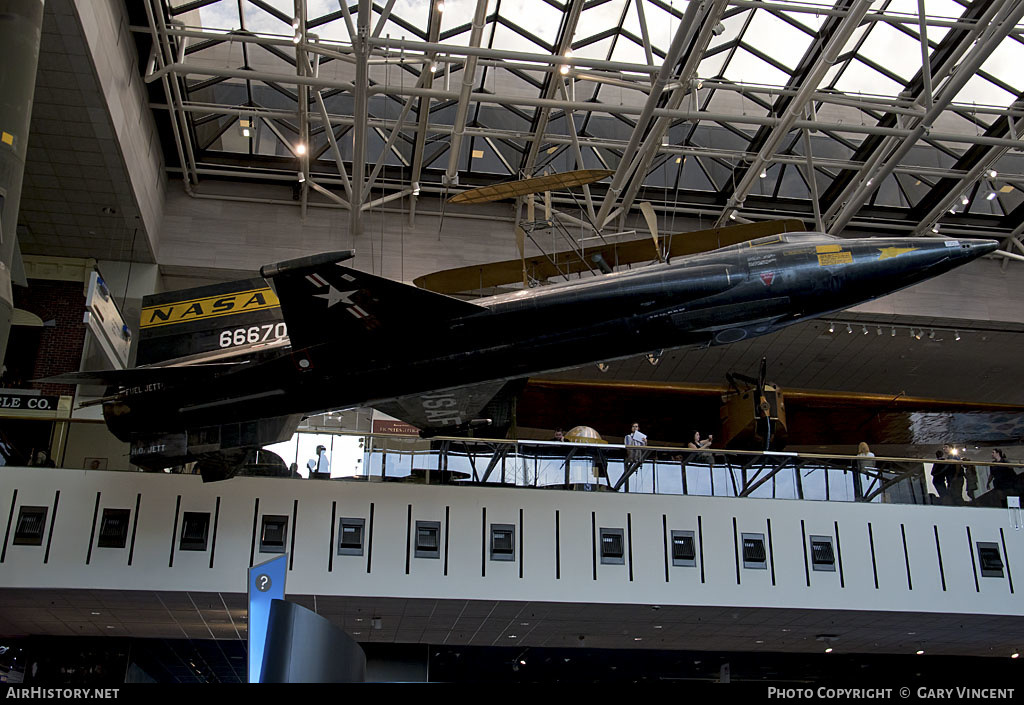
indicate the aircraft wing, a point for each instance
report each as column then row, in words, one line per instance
column 142, row 375
column 453, row 411
column 322, row 299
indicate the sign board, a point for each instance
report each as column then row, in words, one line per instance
column 266, row 583
column 15, row 404
column 106, row 323
column 393, row 427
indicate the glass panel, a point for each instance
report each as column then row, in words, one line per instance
column 262, row 22
column 893, row 49
column 220, row 15
column 733, row 25
column 536, row 17
column 984, row 92
column 747, row 68
column 861, row 78
column 778, row 39
column 456, row 13
column 597, row 19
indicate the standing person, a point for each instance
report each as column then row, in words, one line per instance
column 865, row 467
column 970, row 476
column 697, row 443
column 942, row 474
column 1001, row 478
column 635, row 438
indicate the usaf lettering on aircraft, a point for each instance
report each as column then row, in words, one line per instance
column 439, row 409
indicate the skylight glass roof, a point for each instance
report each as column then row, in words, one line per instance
column 720, row 110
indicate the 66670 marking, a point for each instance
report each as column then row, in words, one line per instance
column 253, row 334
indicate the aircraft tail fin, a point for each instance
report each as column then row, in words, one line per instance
column 322, row 299
column 233, row 318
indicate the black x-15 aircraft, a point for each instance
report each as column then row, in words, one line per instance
column 355, row 339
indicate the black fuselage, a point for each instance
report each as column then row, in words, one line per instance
column 717, row 297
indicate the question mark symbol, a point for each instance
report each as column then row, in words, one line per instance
column 263, row 582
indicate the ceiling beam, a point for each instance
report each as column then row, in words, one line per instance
column 793, row 108
column 683, row 36
column 468, row 76
column 1007, row 17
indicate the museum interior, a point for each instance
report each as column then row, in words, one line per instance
column 584, row 341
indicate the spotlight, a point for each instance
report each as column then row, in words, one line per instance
column 563, row 69
column 415, row 188
column 433, row 67
column 849, row 328
column 952, row 210
column 764, row 173
column 732, row 216
column 935, row 228
column 991, row 196
column 831, row 327
column 956, row 335
column 964, row 200
column 918, row 334
column 870, row 181
column 297, row 38
column 879, row 331
column 302, row 178
column 1015, row 655
column 931, row 335
column 300, row 149
column 828, row 650
column 893, row 334
column 655, row 357
column 992, row 173
column 718, row 30
column 919, row 652
column 440, row 5
column 864, row 329
column 911, row 332
column 602, row 366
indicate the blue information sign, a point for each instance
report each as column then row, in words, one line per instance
column 266, row 583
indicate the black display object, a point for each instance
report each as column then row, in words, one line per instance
column 303, row 647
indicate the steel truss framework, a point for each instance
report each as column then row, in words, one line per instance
column 734, row 109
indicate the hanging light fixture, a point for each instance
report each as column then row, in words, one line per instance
column 964, row 200
column 831, row 327
column 764, row 173
column 992, row 173
column 893, row 334
column 956, row 335
column 849, row 329
column 864, row 329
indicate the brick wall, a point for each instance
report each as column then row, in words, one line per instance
column 60, row 347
